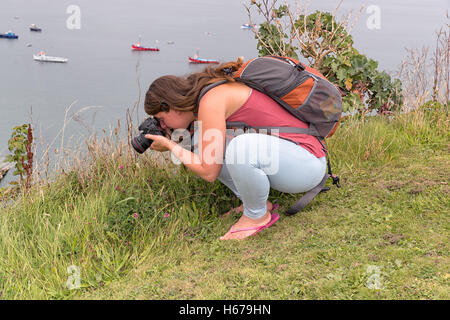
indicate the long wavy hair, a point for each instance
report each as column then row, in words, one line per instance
column 181, row 93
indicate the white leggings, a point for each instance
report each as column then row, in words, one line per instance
column 254, row 163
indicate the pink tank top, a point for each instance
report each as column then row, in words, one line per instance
column 261, row 110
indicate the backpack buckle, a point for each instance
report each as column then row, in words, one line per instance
column 336, row 180
column 325, row 189
column 300, row 67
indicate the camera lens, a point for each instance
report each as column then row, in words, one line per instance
column 150, row 126
column 141, row 143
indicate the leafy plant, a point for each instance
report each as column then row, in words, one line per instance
column 272, row 38
column 20, row 145
column 328, row 47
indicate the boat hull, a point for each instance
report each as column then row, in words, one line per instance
column 136, row 48
column 50, row 59
column 202, row 61
column 4, row 36
column 36, row 29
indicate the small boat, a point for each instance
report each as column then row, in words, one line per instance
column 249, row 26
column 33, row 27
column 196, row 59
column 138, row 47
column 42, row 57
column 199, row 60
column 9, row 35
column 29, row 44
column 170, row 42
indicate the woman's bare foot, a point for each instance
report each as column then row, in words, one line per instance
column 240, row 209
column 243, row 223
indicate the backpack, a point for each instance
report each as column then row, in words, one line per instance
column 302, row 91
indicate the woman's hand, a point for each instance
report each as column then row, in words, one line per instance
column 159, row 143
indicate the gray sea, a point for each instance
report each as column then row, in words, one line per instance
column 104, row 76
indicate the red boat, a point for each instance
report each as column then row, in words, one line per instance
column 199, row 60
column 138, row 47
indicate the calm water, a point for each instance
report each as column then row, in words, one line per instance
column 101, row 72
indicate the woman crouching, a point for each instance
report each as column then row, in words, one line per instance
column 249, row 163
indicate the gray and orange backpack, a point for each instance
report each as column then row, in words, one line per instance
column 301, row 90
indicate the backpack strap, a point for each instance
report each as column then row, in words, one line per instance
column 209, row 87
column 307, row 197
column 310, row 131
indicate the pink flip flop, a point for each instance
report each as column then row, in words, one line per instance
column 275, row 207
column 273, row 218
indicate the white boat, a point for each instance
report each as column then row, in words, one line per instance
column 34, row 27
column 42, row 57
column 249, row 26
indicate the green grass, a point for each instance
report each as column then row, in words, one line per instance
column 391, row 215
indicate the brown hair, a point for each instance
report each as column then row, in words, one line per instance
column 181, row 93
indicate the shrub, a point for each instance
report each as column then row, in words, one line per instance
column 328, row 47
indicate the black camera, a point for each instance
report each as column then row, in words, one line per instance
column 149, row 126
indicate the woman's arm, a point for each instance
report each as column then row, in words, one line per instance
column 211, row 118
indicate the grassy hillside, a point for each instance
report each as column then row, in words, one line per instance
column 145, row 228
